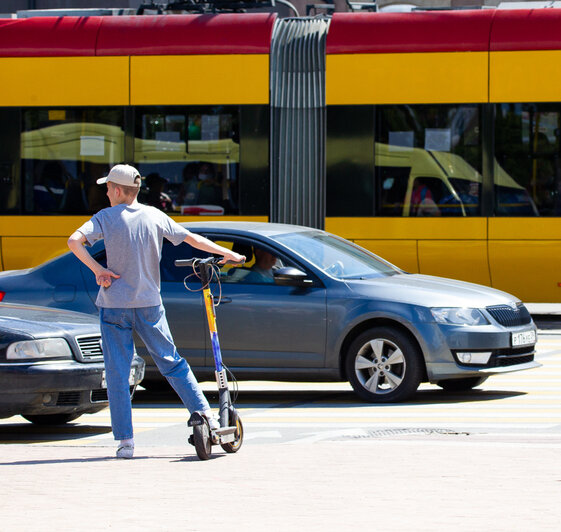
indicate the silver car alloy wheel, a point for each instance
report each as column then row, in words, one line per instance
column 380, row 366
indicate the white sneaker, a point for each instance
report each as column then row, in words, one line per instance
column 125, row 451
column 212, row 419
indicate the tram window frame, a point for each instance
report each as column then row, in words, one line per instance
column 10, row 177
column 528, row 151
column 75, row 191
column 415, row 132
column 181, row 177
column 349, row 150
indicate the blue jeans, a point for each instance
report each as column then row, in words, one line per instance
column 150, row 323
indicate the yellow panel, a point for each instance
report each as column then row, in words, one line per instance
column 524, row 228
column 531, row 270
column 407, row 78
column 32, row 81
column 408, row 228
column 456, row 259
column 28, row 241
column 26, row 252
column 40, row 226
column 202, row 80
column 402, row 253
column 528, row 76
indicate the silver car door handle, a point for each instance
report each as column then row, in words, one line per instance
column 222, row 300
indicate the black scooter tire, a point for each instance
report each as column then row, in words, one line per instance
column 201, row 439
column 235, row 420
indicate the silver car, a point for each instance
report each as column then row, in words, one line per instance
column 328, row 311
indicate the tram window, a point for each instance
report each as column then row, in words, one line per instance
column 391, row 187
column 528, row 164
column 349, row 154
column 192, row 154
column 10, row 189
column 63, row 153
column 8, row 192
column 438, row 145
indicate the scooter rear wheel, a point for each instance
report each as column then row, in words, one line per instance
column 234, row 421
column 201, row 439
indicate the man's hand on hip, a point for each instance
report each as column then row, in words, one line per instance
column 104, row 278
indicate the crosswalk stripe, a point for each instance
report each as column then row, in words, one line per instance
column 518, row 401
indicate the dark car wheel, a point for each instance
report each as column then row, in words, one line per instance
column 461, row 385
column 51, row 419
column 384, row 365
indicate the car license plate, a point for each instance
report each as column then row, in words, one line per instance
column 523, row 338
column 131, row 378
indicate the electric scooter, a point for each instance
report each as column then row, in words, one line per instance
column 230, row 434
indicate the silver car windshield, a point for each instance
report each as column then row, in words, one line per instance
column 337, row 257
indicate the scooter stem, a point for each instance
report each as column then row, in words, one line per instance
column 220, row 373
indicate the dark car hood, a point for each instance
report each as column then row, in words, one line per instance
column 33, row 320
column 429, row 291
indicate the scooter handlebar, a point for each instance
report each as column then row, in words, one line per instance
column 208, row 260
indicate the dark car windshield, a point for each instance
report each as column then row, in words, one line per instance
column 335, row 256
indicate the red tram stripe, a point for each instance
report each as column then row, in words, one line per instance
column 478, row 30
column 526, row 29
column 49, row 36
column 187, row 34
column 456, row 31
column 362, row 33
column 137, row 35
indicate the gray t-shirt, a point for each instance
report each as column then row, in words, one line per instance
column 133, row 241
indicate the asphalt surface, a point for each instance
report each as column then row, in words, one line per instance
column 339, row 465
column 423, row 484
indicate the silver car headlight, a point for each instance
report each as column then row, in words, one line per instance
column 37, row 349
column 459, row 316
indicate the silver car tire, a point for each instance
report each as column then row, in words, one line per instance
column 384, row 365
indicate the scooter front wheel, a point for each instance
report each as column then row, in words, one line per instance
column 234, row 421
column 201, row 440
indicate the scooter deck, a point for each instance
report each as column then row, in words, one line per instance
column 223, row 431
column 224, row 435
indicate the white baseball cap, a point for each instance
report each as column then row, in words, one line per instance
column 122, row 174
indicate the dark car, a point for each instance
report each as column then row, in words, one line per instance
column 51, row 364
column 327, row 310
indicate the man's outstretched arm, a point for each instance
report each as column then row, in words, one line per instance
column 200, row 242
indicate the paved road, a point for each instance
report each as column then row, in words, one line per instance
column 521, row 403
column 314, row 459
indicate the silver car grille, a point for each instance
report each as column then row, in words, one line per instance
column 90, row 347
column 510, row 317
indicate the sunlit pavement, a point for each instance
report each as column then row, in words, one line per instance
column 526, row 403
column 314, row 459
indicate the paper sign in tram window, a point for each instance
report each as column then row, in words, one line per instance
column 92, row 145
column 438, row 139
column 168, row 136
column 401, row 139
column 210, row 127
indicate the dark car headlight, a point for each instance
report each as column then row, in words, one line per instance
column 39, row 349
column 459, row 316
